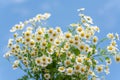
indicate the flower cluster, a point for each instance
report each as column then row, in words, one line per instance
column 51, row 54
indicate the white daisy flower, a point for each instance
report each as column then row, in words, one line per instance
column 117, row 58
column 77, row 67
column 69, row 71
column 61, row 69
column 99, row 68
column 16, row 64
column 81, row 9
column 67, row 62
column 38, row 61
column 47, row 76
column 110, row 36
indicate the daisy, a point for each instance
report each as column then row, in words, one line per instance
column 66, row 46
column 32, row 43
column 87, row 36
column 50, row 31
column 49, row 60
column 90, row 72
column 29, row 29
column 81, row 9
column 22, row 25
column 79, row 60
column 82, row 34
column 87, row 49
column 47, row 76
column 99, row 68
column 38, row 17
column 17, row 26
column 7, row 55
column 57, row 42
column 71, row 41
column 88, row 19
column 58, row 30
column 19, row 57
column 50, row 51
column 39, row 32
column 79, row 29
column 113, row 43
column 68, row 35
column 44, row 59
column 13, row 29
column 77, row 67
column 44, row 64
column 76, row 43
column 107, row 70
column 68, row 54
column 33, row 54
column 111, row 48
column 74, row 25
column 82, row 69
column 69, row 71
column 117, row 58
column 16, row 64
column 38, row 61
column 76, row 38
column 25, row 63
column 46, row 15
column 27, row 40
column 35, row 69
column 25, row 58
column 81, row 47
column 117, row 36
column 108, row 61
column 97, row 29
column 15, row 35
column 27, row 34
column 95, row 40
column 61, row 69
column 38, row 38
column 54, row 34
column 110, row 36
column 67, row 62
column 43, row 44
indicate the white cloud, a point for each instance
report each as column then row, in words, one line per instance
column 45, row 6
column 16, row 10
column 110, row 6
column 109, row 11
column 18, row 1
column 113, row 4
column 4, row 3
column 21, row 11
column 49, row 5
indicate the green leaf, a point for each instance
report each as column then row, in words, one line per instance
column 63, row 56
column 107, row 58
column 49, row 45
column 25, row 77
column 76, row 51
column 46, row 36
column 93, row 63
column 101, row 59
column 89, row 54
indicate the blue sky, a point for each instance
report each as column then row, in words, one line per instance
column 105, row 14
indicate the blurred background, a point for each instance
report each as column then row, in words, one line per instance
column 105, row 14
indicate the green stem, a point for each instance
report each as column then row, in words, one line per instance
column 102, row 40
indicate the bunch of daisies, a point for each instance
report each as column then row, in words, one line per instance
column 48, row 53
